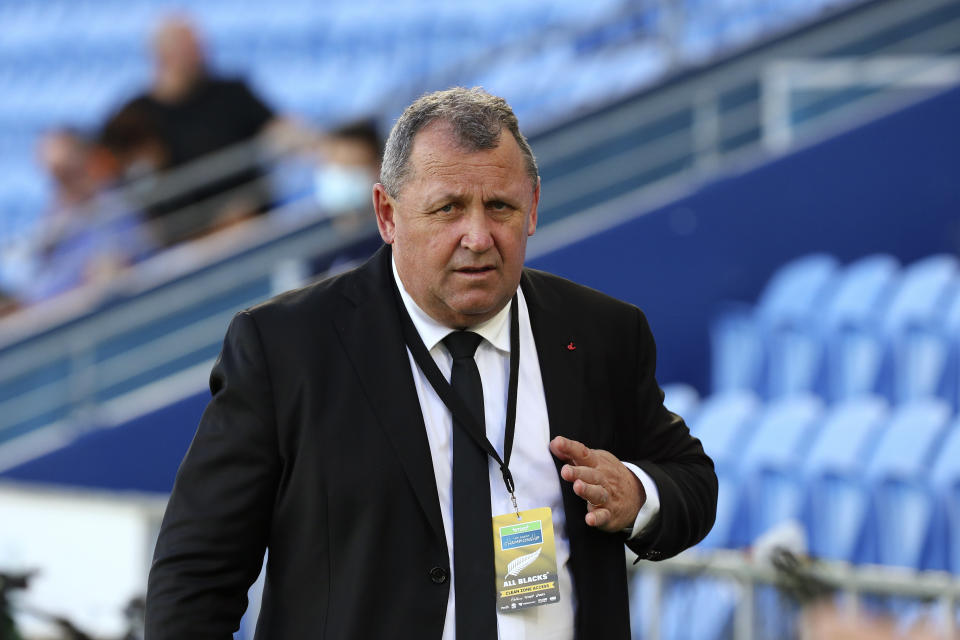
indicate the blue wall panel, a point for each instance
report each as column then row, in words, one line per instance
column 141, row 455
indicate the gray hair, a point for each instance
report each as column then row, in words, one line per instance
column 476, row 117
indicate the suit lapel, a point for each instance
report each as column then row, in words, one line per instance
column 370, row 332
column 561, row 367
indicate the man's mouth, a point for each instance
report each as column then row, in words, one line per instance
column 471, row 270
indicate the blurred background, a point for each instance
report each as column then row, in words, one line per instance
column 775, row 182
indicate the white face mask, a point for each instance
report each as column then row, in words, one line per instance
column 339, row 189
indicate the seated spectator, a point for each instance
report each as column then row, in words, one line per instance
column 87, row 234
column 131, row 146
column 187, row 114
column 336, row 173
column 63, row 154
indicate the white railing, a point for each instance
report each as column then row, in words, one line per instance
column 852, row 581
column 89, row 574
column 889, row 75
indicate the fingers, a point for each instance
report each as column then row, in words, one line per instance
column 613, row 493
column 597, row 517
column 570, row 450
column 595, row 494
column 591, row 475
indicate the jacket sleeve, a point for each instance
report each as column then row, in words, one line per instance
column 215, row 529
column 666, row 451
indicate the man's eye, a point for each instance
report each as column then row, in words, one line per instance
column 499, row 206
column 447, row 208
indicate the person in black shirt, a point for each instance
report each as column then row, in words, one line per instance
column 192, row 113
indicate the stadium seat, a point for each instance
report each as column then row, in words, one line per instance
column 736, row 350
column 921, row 294
column 724, row 424
column 949, row 387
column 901, row 506
column 914, row 328
column 835, row 502
column 851, row 327
column 771, row 485
column 699, row 607
column 791, row 328
column 740, row 336
column 682, row 399
column 795, row 289
column 943, row 545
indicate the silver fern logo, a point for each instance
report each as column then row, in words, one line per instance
column 519, row 564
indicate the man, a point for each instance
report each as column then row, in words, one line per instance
column 331, row 440
column 186, row 114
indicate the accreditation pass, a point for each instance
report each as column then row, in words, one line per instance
column 526, row 560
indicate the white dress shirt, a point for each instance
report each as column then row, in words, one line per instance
column 535, row 475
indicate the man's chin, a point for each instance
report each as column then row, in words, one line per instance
column 475, row 312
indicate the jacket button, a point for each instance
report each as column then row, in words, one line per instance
column 439, row 575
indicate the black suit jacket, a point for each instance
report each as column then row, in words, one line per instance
column 314, row 445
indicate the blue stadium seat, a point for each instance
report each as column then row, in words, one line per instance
column 835, row 504
column 949, row 387
column 643, row 602
column 771, row 486
column 724, row 425
column 682, row 399
column 699, row 608
column 914, row 327
column 791, row 328
column 943, row 546
column 736, row 350
column 741, row 337
column 901, row 507
column 794, row 291
column 920, row 296
column 852, row 327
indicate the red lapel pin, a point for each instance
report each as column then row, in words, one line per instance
column 571, row 346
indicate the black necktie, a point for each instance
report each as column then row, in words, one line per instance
column 472, row 538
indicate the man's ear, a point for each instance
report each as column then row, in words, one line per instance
column 532, row 222
column 386, row 211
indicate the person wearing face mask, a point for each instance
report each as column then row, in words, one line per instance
column 349, row 168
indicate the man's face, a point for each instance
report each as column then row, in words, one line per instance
column 178, row 51
column 459, row 225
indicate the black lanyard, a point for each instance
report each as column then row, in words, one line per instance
column 461, row 415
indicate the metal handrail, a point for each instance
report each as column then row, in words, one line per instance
column 852, row 580
column 313, row 240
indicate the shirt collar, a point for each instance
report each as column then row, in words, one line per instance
column 496, row 331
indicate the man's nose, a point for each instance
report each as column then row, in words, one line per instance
column 476, row 233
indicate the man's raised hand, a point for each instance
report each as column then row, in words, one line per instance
column 613, row 493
